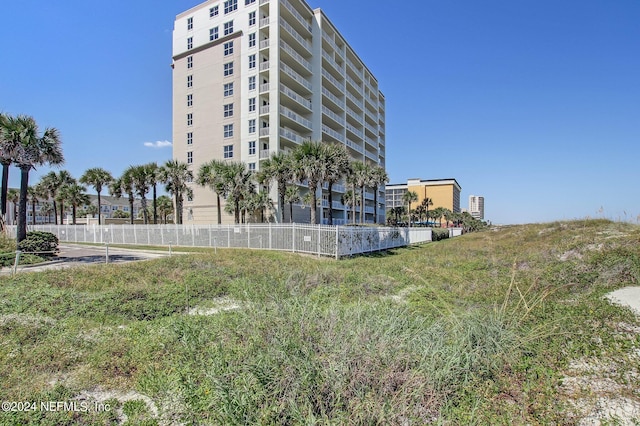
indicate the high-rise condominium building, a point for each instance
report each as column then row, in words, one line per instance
column 256, row 77
column 476, row 206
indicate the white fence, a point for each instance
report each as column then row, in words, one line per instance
column 334, row 241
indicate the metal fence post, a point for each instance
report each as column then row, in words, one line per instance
column 106, row 259
column 293, row 237
column 337, row 244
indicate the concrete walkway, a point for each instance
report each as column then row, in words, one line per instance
column 71, row 255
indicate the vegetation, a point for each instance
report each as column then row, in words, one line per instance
column 44, row 244
column 98, row 178
column 487, row 328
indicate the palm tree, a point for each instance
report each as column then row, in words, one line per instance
column 438, row 212
column 447, row 214
column 351, row 198
column 261, row 201
column 35, row 193
column 238, row 185
column 279, row 169
column 361, row 178
column 32, row 150
column 98, row 178
column 379, row 177
column 63, row 179
column 337, row 160
column 8, row 146
column 426, row 202
column 165, row 207
column 91, row 210
column 409, row 197
column 13, row 196
column 46, row 209
column 140, row 180
column 310, row 165
column 124, row 185
column 153, row 173
column 291, row 196
column 75, row 195
column 175, row 176
column 50, row 186
column 211, row 174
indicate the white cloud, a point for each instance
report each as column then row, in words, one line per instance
column 158, row 144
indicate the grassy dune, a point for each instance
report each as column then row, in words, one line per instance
column 489, row 328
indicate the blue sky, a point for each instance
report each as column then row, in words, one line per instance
column 534, row 104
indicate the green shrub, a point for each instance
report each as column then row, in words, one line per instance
column 39, row 242
column 439, row 234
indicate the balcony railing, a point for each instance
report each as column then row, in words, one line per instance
column 296, row 97
column 295, row 55
column 326, row 74
column 294, row 75
column 329, row 131
column 264, row 131
column 264, row 87
column 264, row 44
column 295, row 117
column 354, row 130
column 264, row 109
column 354, row 99
column 297, row 15
column 264, row 153
column 264, row 22
column 292, row 136
column 333, row 97
column 288, row 28
column 264, row 66
column 333, row 115
column 351, row 144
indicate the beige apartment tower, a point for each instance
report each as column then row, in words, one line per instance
column 255, row 77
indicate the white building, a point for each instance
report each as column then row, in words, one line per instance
column 476, row 206
column 255, row 77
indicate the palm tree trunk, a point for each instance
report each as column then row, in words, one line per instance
column 176, row 216
column 353, row 204
column 55, row 210
column 375, row 205
column 131, row 208
column 145, row 214
column 281, row 192
column 99, row 209
column 155, row 207
column 314, row 202
column 33, row 212
column 21, row 232
column 330, row 203
column 61, row 212
column 5, row 187
column 362, row 204
column 290, row 212
column 73, row 213
column 219, row 209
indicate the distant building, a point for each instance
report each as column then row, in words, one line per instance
column 442, row 192
column 476, row 206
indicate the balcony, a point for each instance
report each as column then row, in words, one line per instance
column 335, row 117
column 296, row 36
column 264, row 22
column 327, row 93
column 371, row 156
column 357, row 102
column 354, row 114
column 297, row 58
column 264, row 109
column 338, row 85
column 264, row 87
column 264, row 131
column 291, row 115
column 295, row 76
column 329, row 59
column 297, row 15
column 334, row 134
column 264, row 44
column 370, row 128
column 292, row 136
column 351, row 144
column 264, row 66
column 264, row 154
column 371, row 142
column 354, row 130
column 295, row 97
column 332, row 43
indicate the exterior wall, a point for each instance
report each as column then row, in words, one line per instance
column 443, row 193
column 309, row 85
column 476, row 206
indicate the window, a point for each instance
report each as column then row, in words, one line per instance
column 252, row 167
column 228, row 130
column 252, row 61
column 213, row 34
column 213, row 11
column 189, row 23
column 189, row 62
column 189, row 180
column 252, row 126
column 252, row 18
column 228, row 48
column 252, row 40
column 228, row 151
column 190, row 138
column 248, row 2
column 189, row 119
column 189, row 80
column 252, row 148
column 228, row 69
column 230, row 6
column 252, row 82
column 252, row 104
column 228, row 27
column 228, row 89
column 189, row 157
column 189, row 100
column 228, row 110
column 190, row 43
